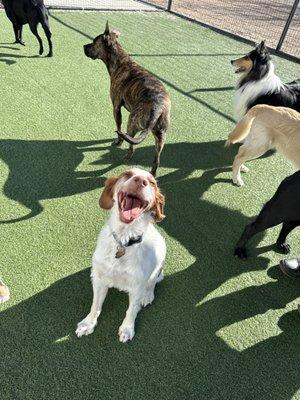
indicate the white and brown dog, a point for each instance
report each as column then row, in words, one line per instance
column 130, row 252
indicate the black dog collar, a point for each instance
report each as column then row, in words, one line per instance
column 121, row 249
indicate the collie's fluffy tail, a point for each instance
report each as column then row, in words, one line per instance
column 242, row 129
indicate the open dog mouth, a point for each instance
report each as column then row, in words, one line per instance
column 131, row 206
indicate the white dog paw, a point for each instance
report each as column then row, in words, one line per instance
column 126, row 333
column 4, row 292
column 85, row 327
column 244, row 169
column 3, row 299
column 238, row 182
column 148, row 299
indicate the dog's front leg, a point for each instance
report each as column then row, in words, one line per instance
column 118, row 119
column 87, row 325
column 20, row 36
column 126, row 330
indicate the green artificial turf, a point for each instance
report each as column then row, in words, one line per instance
column 219, row 328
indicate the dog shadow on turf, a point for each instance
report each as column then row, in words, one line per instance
column 12, row 58
column 40, row 170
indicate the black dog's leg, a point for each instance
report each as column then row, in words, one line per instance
column 266, row 219
column 46, row 27
column 33, row 28
column 20, row 36
column 18, row 33
column 287, row 227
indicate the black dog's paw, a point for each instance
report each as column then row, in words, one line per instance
column 241, row 253
column 284, row 248
column 19, row 42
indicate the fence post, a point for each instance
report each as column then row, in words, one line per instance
column 170, row 5
column 287, row 24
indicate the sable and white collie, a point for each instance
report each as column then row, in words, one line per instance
column 259, row 84
column 130, row 252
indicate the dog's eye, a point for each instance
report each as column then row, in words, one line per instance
column 152, row 183
column 128, row 175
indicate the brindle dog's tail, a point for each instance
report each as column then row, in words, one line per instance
column 154, row 115
column 129, row 139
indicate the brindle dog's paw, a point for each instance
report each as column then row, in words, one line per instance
column 284, row 248
column 241, row 253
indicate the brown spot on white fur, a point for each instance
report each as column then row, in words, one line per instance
column 106, row 199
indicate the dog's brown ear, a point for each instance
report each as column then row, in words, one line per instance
column 106, row 199
column 158, row 206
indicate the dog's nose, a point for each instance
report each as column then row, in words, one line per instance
column 140, row 181
column 231, row 62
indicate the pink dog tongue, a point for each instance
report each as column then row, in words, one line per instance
column 132, row 209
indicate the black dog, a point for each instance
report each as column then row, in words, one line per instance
column 284, row 207
column 32, row 12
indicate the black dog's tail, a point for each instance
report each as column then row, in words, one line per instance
column 40, row 7
column 155, row 113
column 44, row 20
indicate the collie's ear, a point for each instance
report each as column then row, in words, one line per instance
column 106, row 199
column 262, row 46
column 158, row 206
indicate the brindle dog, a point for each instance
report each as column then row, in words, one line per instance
column 142, row 94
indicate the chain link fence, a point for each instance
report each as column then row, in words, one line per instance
column 276, row 21
column 101, row 5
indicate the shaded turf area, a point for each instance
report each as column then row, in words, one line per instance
column 219, row 328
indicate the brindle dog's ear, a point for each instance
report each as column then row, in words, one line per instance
column 110, row 36
column 106, row 199
column 106, row 32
